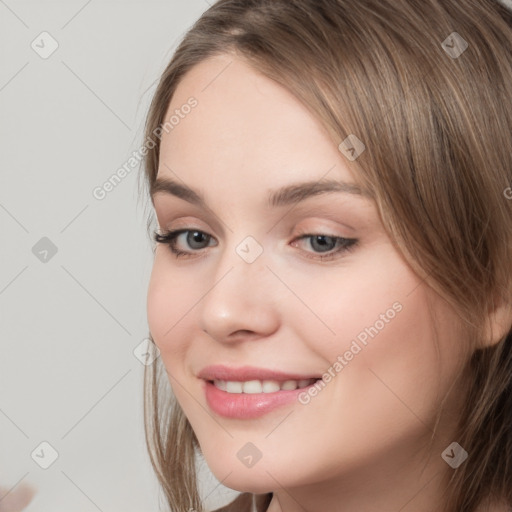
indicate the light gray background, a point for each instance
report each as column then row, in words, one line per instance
column 69, row 326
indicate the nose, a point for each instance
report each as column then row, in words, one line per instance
column 239, row 304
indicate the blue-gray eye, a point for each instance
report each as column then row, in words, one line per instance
column 323, row 243
column 197, row 239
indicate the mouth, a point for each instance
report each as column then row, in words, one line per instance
column 249, row 392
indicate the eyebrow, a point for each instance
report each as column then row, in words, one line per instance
column 284, row 196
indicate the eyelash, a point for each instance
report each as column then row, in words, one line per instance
column 169, row 238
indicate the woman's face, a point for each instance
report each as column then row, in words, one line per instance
column 287, row 275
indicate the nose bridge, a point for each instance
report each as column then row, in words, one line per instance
column 239, row 298
column 242, row 265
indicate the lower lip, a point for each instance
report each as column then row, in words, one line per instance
column 248, row 405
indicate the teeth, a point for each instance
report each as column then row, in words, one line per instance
column 289, row 385
column 234, row 387
column 270, row 386
column 252, row 386
column 221, row 384
column 258, row 386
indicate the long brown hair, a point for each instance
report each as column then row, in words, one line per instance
column 426, row 85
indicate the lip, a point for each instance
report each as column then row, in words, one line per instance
column 248, row 405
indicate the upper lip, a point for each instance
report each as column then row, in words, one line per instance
column 246, row 373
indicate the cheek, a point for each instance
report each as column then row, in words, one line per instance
column 356, row 301
column 392, row 350
column 169, row 301
column 406, row 332
column 405, row 365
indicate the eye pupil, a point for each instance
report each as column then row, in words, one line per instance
column 195, row 239
column 323, row 243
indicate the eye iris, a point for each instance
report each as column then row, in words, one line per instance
column 195, row 239
column 322, row 243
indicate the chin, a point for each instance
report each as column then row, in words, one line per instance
column 264, row 477
column 250, row 483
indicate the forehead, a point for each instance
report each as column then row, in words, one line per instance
column 245, row 126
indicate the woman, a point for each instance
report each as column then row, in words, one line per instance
column 331, row 289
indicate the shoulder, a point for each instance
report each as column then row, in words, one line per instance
column 244, row 503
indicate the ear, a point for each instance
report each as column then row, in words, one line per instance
column 499, row 324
